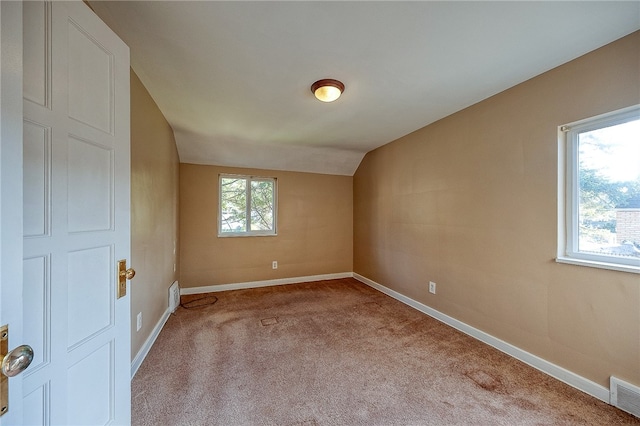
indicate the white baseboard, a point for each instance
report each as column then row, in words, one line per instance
column 266, row 283
column 146, row 347
column 557, row 372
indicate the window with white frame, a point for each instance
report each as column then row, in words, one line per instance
column 247, row 206
column 601, row 218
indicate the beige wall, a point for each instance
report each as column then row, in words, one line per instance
column 470, row 202
column 315, row 231
column 154, row 212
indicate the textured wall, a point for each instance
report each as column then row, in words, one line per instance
column 154, row 212
column 470, row 202
column 315, row 232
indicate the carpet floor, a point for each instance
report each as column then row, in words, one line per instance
column 339, row 353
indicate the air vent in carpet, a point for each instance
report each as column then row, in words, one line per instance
column 625, row 396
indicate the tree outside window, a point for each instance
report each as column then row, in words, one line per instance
column 247, row 205
column 609, row 179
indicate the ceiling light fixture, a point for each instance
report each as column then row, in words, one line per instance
column 327, row 90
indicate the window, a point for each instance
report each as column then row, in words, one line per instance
column 247, row 206
column 601, row 218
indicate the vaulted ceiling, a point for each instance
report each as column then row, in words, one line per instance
column 233, row 78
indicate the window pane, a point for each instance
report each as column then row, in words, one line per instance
column 233, row 205
column 261, row 205
column 609, row 198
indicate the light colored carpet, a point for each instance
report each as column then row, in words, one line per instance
column 340, row 353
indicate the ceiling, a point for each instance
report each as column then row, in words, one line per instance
column 233, row 78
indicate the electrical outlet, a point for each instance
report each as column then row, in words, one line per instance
column 432, row 287
column 274, row 264
column 139, row 321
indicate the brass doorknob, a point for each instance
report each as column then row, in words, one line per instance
column 129, row 273
column 16, row 361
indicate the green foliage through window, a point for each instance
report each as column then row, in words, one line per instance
column 247, row 205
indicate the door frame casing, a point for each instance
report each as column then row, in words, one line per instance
column 11, row 245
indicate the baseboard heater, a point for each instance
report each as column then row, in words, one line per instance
column 625, row 396
column 174, row 297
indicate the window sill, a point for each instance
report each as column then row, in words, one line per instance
column 600, row 265
column 244, row 235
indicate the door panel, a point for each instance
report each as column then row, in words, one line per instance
column 77, row 189
column 90, row 177
column 38, row 403
column 37, row 295
column 36, row 52
column 90, row 79
column 91, row 395
column 37, row 179
column 90, row 299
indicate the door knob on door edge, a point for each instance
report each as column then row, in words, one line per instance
column 13, row 363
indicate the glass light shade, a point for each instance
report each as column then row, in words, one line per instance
column 327, row 90
column 327, row 93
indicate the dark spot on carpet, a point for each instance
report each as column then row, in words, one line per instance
column 269, row 321
column 484, row 380
column 524, row 404
column 197, row 301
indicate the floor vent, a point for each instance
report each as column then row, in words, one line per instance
column 174, row 297
column 625, row 396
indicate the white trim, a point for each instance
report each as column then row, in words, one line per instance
column 601, row 265
column 557, row 372
column 266, row 283
column 568, row 193
column 146, row 347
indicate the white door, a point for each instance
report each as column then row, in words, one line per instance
column 76, row 193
